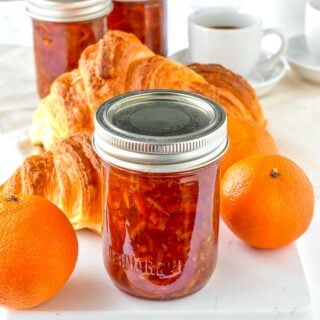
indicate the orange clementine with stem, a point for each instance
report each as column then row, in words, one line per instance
column 267, row 200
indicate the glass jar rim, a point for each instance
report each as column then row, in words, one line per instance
column 68, row 11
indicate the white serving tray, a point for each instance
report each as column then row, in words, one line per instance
column 248, row 284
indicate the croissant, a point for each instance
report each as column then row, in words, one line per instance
column 69, row 175
column 233, row 87
column 120, row 63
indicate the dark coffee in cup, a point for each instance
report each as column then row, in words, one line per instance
column 224, row 27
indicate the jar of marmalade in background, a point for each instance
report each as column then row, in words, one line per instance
column 147, row 19
column 61, row 31
column 161, row 151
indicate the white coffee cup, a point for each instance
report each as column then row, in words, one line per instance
column 231, row 38
column 312, row 27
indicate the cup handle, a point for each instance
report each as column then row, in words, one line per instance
column 275, row 57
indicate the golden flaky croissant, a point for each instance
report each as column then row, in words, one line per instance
column 70, row 175
column 233, row 89
column 120, row 63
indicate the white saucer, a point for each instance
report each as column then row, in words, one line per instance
column 300, row 59
column 262, row 80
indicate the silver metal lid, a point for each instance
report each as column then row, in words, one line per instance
column 160, row 131
column 68, row 10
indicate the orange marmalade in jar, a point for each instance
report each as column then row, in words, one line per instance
column 161, row 151
column 61, row 31
column 147, row 19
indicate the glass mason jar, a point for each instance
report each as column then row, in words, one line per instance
column 61, row 31
column 147, row 19
column 161, row 151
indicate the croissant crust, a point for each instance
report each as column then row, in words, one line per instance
column 69, row 175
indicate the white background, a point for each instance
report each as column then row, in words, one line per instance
column 15, row 28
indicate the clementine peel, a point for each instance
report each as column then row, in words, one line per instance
column 38, row 250
column 266, row 200
column 246, row 138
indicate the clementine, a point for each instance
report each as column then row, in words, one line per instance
column 246, row 138
column 266, row 200
column 38, row 251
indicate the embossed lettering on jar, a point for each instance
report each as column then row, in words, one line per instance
column 161, row 152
